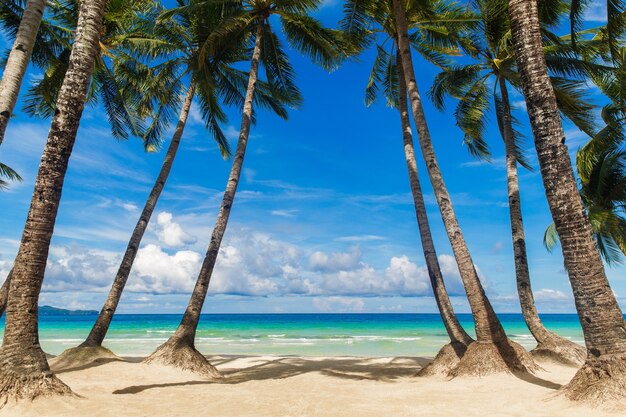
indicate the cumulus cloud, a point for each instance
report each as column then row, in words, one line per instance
column 548, row 294
column 327, row 304
column 79, row 268
column 156, row 271
column 337, row 261
column 249, row 264
column 171, row 233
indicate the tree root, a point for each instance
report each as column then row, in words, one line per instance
column 599, row 380
column 179, row 354
column 16, row 386
column 447, row 358
column 81, row 356
column 561, row 351
column 486, row 358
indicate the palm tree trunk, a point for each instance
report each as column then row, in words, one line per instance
column 459, row 338
column 23, row 365
column 494, row 352
column 179, row 350
column 101, row 326
column 4, row 293
column 600, row 316
column 18, row 60
column 549, row 344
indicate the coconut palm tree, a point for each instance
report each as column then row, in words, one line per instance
column 25, row 34
column 493, row 351
column 602, row 178
column 603, row 376
column 304, row 34
column 18, row 60
column 483, row 85
column 24, row 369
column 52, row 51
column 387, row 78
column 600, row 163
column 4, row 293
column 212, row 81
column 7, row 174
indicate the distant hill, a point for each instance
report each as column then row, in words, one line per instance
column 53, row 311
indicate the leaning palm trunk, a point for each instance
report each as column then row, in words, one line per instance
column 549, row 345
column 18, row 60
column 179, row 350
column 91, row 348
column 24, row 371
column 450, row 354
column 493, row 352
column 4, row 293
column 603, row 375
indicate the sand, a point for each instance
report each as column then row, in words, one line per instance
column 311, row 386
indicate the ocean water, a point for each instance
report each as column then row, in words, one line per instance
column 288, row 334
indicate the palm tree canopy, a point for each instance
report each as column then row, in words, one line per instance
column 475, row 84
column 174, row 40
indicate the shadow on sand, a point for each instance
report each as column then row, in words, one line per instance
column 287, row 367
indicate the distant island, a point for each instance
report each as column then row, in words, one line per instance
column 54, row 311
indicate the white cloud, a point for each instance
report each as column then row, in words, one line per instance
column 249, row 264
column 341, row 304
column 548, row 294
column 79, row 268
column 284, row 213
column 130, row 207
column 596, row 12
column 171, row 233
column 338, row 261
column 156, row 271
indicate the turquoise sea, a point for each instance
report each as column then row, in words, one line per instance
column 288, row 334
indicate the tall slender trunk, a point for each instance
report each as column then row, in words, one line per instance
column 549, row 343
column 25, row 371
column 494, row 352
column 455, row 331
column 488, row 327
column 18, row 60
column 189, row 323
column 101, row 326
column 4, row 293
column 179, row 350
column 600, row 316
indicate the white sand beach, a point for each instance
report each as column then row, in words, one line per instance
column 305, row 386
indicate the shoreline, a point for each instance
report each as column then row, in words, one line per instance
column 280, row 385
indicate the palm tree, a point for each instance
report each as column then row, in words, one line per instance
column 387, row 78
column 24, row 369
column 18, row 60
column 471, row 85
column 4, row 293
column 52, row 51
column 212, row 80
column 600, row 163
column 303, row 33
column 25, row 33
column 604, row 373
column 493, row 351
column 7, row 173
column 602, row 177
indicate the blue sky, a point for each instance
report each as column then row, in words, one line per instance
column 323, row 220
